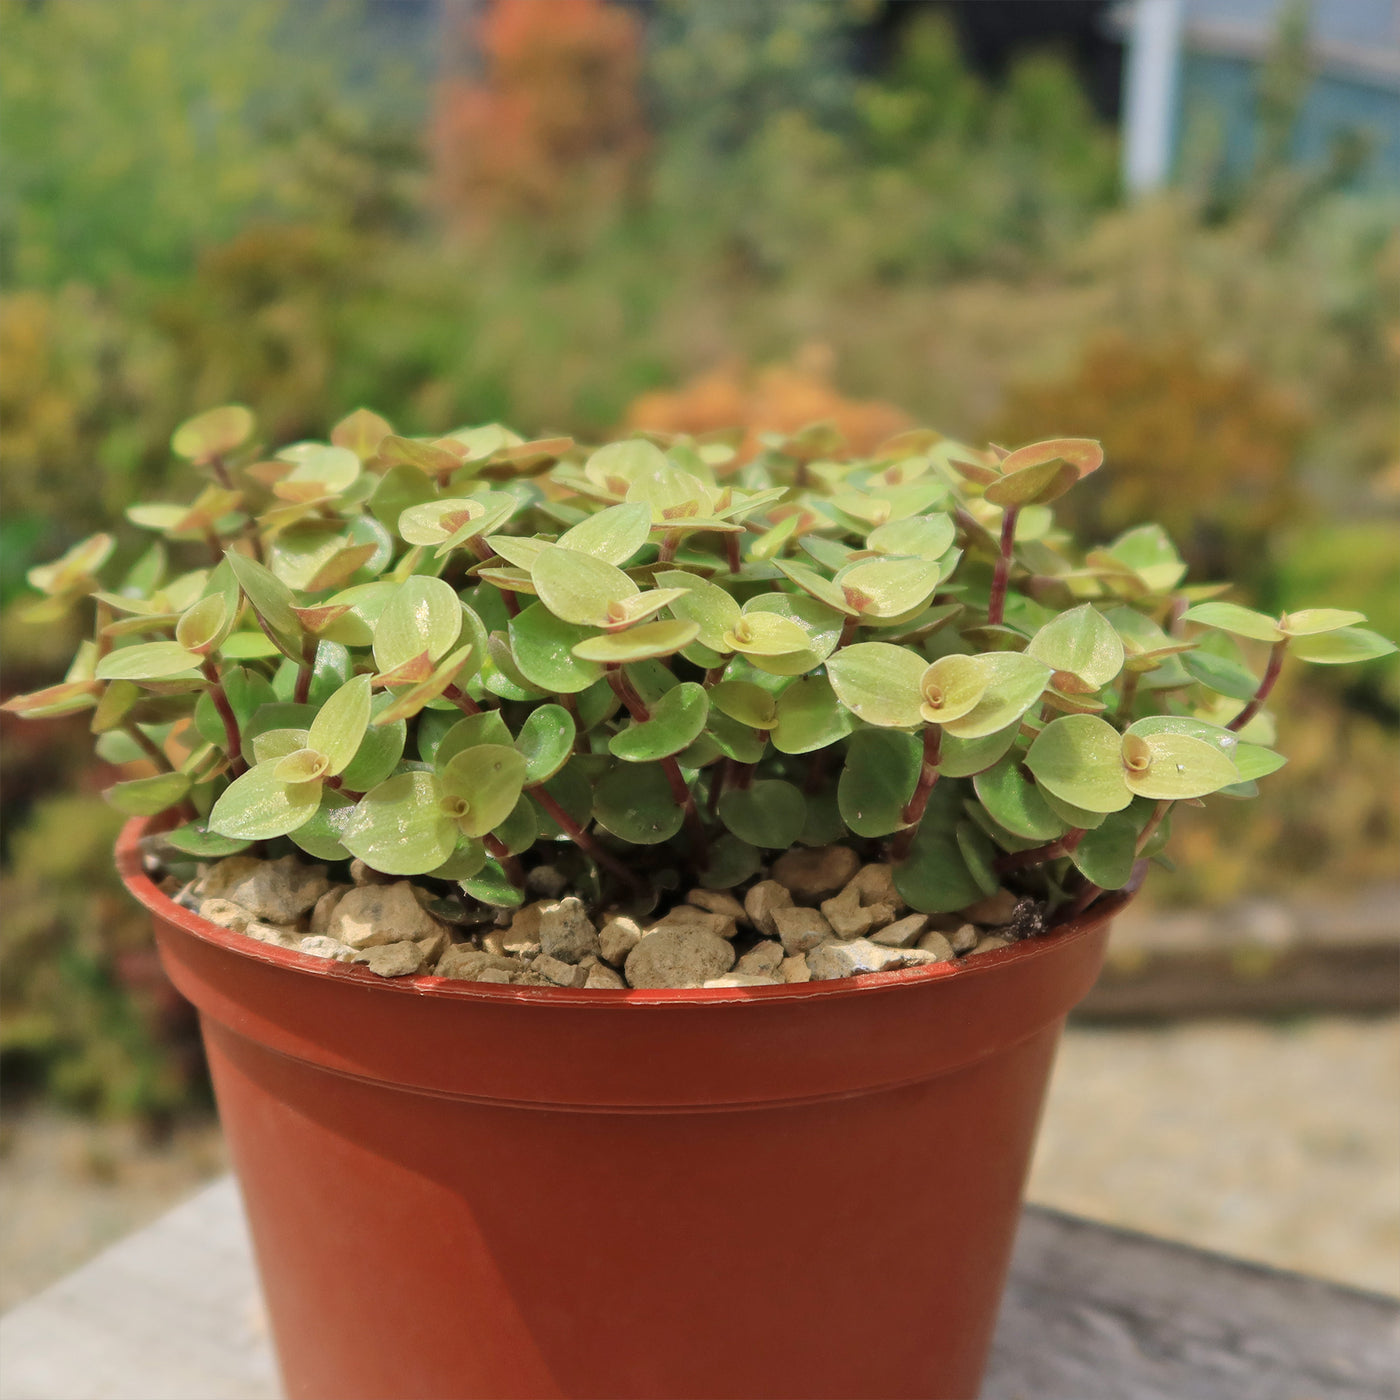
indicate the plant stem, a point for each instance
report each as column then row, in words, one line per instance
column 670, row 542
column 731, row 550
column 103, row 620
column 149, row 747
column 232, row 739
column 1153, row 822
column 996, row 605
column 600, row 855
column 514, row 871
column 1060, row 846
column 1271, row 674
column 215, row 544
column 914, row 809
column 848, row 632
column 307, row 671
column 715, row 674
column 1127, row 693
column 462, row 700
column 1088, row 893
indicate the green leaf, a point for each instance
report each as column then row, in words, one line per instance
column 319, row 836
column 1077, row 758
column 145, row 797
column 613, row 535
column 578, row 588
column 400, row 489
column 195, row 840
column 979, row 853
column 810, row 716
column 951, row 687
column 1313, row 621
column 638, row 643
column 213, row 433
column 635, row 804
column 1082, row 642
column 341, row 725
column 519, row 831
column 1015, row 682
column 1015, row 802
column 823, row 626
column 379, row 751
column 746, row 702
column 964, row 758
column 1106, row 854
column 879, row 683
column 1035, row 484
column 300, row 766
column 706, row 604
column 1077, row 817
column 1179, row 766
column 486, row 728
column 399, row 827
column 923, row 536
column 934, row 878
column 1222, row 674
column 271, row 600
column 492, row 886
column 769, row 813
column 483, row 784
column 735, row 740
column 881, row 771
column 466, row 862
column 147, row 661
column 765, row 634
column 882, row 588
column 542, row 646
column 1230, row 617
column 259, row 805
column 1149, row 553
column 732, row 861
column 546, row 740
column 677, row 719
column 1342, row 647
column 422, row 615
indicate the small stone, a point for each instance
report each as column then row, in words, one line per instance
column 370, row 916
column 361, row 874
column 187, row 898
column 903, row 933
column 602, row 978
column 678, row 957
column 811, row 872
column 687, row 916
column 317, row 945
column 761, row 902
column 279, row 891
column 990, row 944
column 849, row 918
column 744, row 979
column 226, row 914
column 401, row 959
column 325, row 907
column 718, row 902
column 833, row 960
column 994, row 911
column 762, row 960
column 271, row 933
column 467, row 963
column 1028, row 921
column 964, row 938
column 617, row 938
column 875, row 885
column 561, row 973
column 795, row 969
column 801, row 929
column 937, row 944
column 433, row 945
column 566, row 931
column 496, row 974
column 546, row 882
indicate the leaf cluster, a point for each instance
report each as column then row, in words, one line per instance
column 456, row 657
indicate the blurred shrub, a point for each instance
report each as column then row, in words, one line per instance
column 1210, row 452
column 775, row 399
column 553, row 125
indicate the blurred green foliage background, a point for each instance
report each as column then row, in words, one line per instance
column 578, row 215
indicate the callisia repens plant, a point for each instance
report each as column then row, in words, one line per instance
column 656, row 666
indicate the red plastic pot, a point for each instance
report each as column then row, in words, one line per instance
column 460, row 1190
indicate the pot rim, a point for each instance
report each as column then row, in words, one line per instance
column 143, row 888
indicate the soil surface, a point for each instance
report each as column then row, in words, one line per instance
column 1279, row 1143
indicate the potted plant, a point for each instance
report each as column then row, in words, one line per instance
column 632, row 896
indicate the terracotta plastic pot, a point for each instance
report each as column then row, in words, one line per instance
column 460, row 1190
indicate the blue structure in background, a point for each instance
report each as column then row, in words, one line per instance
column 1195, row 65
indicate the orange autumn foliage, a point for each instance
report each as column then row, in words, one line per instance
column 553, row 119
column 774, row 399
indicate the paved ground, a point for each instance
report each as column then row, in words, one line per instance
column 1278, row 1143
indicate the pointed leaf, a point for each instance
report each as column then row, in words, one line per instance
column 613, row 535
column 1230, row 617
column 1082, row 642
column 1015, row 682
column 651, row 639
column 399, row 827
column 706, row 604
column 1342, row 647
column 147, row 661
column 271, row 600
column 1078, row 758
column 1312, row 621
column 577, row 588
column 1178, row 766
column 340, row 726
column 879, row 683
column 422, row 615
column 145, row 797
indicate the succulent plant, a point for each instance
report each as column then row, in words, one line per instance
column 456, row 658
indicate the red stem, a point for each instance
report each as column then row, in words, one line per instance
column 307, row 672
column 600, row 855
column 149, row 747
column 1153, row 822
column 731, row 550
column 996, row 605
column 515, row 872
column 462, row 700
column 1265, row 686
column 1061, row 846
column 232, row 739
column 914, row 809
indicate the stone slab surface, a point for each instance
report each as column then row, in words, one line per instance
column 173, row 1313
